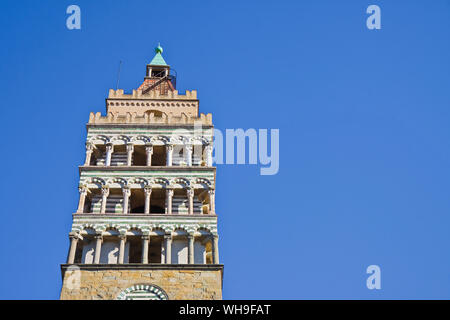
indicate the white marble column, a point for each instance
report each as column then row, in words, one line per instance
column 130, row 150
column 123, row 239
column 169, row 154
column 149, row 153
column 168, row 245
column 188, row 155
column 73, row 247
column 145, row 244
column 105, row 194
column 83, row 193
column 148, row 194
column 191, row 248
column 109, row 151
column 215, row 249
column 190, row 196
column 89, row 151
column 208, row 151
column 126, row 197
column 169, row 197
column 98, row 248
column 212, row 200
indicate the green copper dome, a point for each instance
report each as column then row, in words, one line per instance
column 159, row 49
column 158, row 59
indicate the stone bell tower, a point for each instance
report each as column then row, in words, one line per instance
column 146, row 224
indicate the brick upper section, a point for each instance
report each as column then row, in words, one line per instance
column 163, row 88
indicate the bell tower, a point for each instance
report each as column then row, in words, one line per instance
column 146, row 224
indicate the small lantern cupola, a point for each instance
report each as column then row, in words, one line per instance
column 158, row 68
column 159, row 77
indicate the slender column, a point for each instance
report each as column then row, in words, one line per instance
column 126, row 196
column 89, row 150
column 123, row 239
column 109, row 151
column 169, row 197
column 215, row 248
column 208, row 151
column 190, row 195
column 148, row 193
column 212, row 200
column 149, row 152
column 145, row 244
column 83, row 193
column 169, row 154
column 130, row 150
column 188, row 158
column 191, row 248
column 98, row 248
column 73, row 247
column 105, row 194
column 168, row 241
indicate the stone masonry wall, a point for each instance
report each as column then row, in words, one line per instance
column 108, row 284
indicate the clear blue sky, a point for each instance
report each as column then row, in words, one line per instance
column 364, row 136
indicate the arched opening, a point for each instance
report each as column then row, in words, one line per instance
column 137, row 201
column 158, row 201
column 203, row 201
column 135, row 249
column 159, row 156
column 155, row 249
column 208, row 250
column 139, row 156
column 119, row 155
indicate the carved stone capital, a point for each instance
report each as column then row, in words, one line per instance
column 170, row 192
column 168, row 236
column 148, row 190
column 73, row 235
column 149, row 148
column 105, row 190
column 126, row 191
column 109, row 146
column 123, row 236
column 82, row 189
column 89, row 147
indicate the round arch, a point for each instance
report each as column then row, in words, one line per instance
column 143, row 292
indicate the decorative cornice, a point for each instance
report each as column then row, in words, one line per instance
column 154, row 95
column 149, row 125
column 145, row 222
column 146, row 168
column 148, row 266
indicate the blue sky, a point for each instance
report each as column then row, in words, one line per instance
column 364, row 136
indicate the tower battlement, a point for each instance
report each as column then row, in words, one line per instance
column 150, row 117
column 137, row 94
